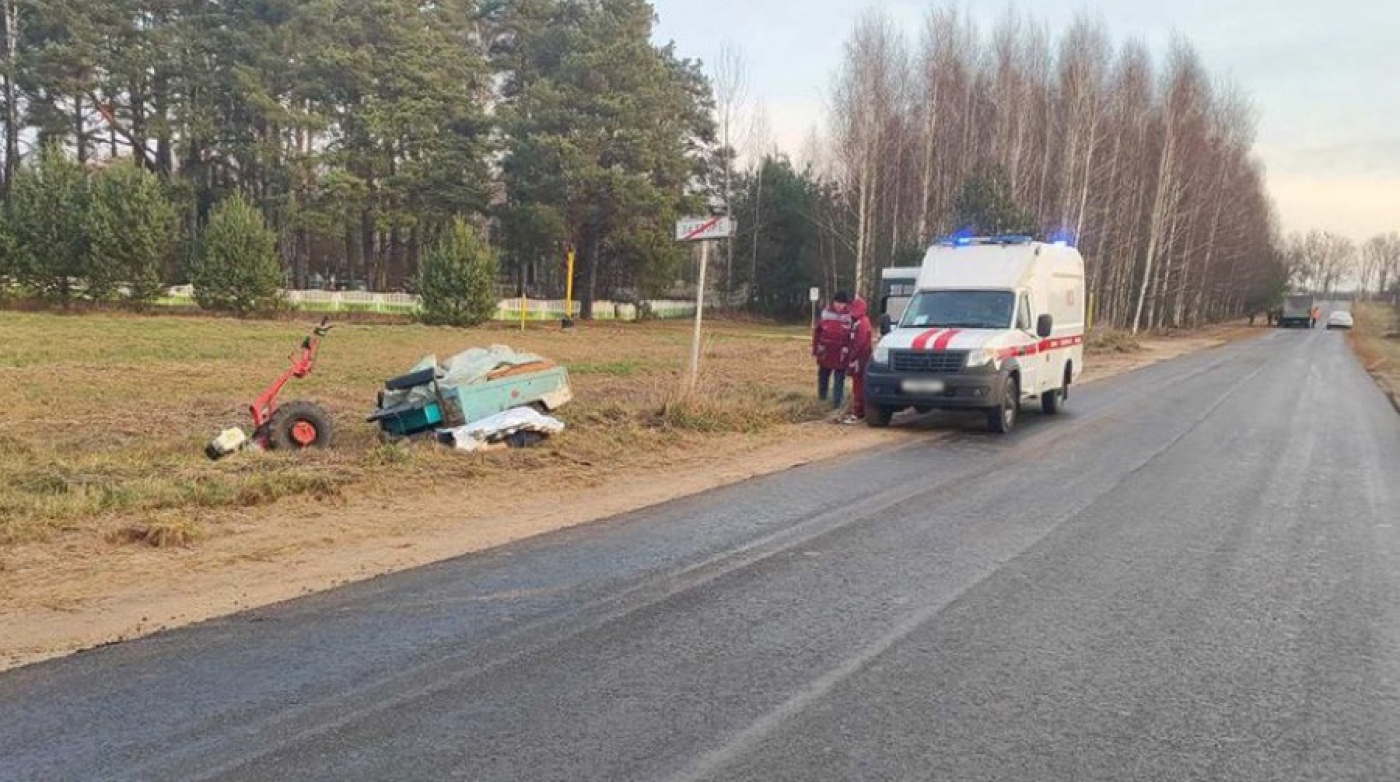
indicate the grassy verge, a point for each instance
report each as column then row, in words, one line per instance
column 1376, row 339
column 106, row 414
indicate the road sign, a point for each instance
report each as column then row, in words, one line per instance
column 814, row 295
column 699, row 229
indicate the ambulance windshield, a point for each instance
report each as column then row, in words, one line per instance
column 960, row 310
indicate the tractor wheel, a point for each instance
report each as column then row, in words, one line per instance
column 298, row 425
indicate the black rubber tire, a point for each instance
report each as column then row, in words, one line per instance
column 1053, row 402
column 878, row 416
column 279, row 429
column 1002, row 419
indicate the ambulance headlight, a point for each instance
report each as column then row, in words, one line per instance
column 981, row 358
column 881, row 356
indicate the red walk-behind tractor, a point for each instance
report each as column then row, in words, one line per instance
column 293, row 426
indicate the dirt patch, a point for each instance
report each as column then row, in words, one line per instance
column 296, row 526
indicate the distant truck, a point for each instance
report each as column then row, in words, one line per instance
column 1297, row 312
column 993, row 322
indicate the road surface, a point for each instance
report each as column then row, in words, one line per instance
column 1192, row 575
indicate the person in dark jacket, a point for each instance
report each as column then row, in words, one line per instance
column 861, row 350
column 831, row 344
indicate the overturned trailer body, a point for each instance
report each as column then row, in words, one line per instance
column 467, row 388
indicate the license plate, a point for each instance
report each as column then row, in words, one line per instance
column 923, row 386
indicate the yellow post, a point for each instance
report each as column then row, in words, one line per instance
column 1089, row 314
column 569, row 289
column 522, row 311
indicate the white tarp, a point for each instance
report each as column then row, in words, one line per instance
column 472, row 366
column 477, row 435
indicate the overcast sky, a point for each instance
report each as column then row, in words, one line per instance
column 1324, row 76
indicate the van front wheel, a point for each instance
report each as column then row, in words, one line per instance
column 1053, row 402
column 1002, row 418
column 878, row 416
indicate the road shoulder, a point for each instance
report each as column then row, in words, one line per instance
column 65, row 600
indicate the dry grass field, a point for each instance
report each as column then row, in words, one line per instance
column 103, row 417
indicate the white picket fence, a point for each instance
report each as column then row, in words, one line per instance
column 407, row 304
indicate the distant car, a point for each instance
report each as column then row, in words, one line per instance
column 1340, row 319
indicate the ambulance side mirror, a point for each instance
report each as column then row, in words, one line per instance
column 886, row 324
column 1045, row 326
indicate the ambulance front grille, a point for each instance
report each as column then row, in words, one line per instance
column 942, row 362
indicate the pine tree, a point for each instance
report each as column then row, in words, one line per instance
column 237, row 268
column 45, row 217
column 457, row 281
column 607, row 136
column 131, row 230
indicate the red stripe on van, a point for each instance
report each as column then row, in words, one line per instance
column 921, row 341
column 1044, row 346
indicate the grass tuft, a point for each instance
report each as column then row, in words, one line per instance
column 624, row 368
column 750, row 410
column 1113, row 341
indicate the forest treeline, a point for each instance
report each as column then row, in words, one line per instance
column 364, row 131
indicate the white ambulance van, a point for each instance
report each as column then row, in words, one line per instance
column 993, row 323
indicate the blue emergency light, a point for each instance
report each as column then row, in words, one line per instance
column 959, row 238
column 965, row 238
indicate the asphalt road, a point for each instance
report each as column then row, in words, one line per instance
column 1192, row 575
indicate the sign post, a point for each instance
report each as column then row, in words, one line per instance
column 699, row 316
column 702, row 230
column 814, row 295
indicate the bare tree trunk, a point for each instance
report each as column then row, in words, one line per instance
column 753, row 258
column 864, row 199
column 729, row 87
column 12, row 130
column 1155, row 235
column 590, row 288
column 1198, row 307
column 80, row 139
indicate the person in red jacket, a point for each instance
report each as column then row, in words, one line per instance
column 831, row 345
column 861, row 350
